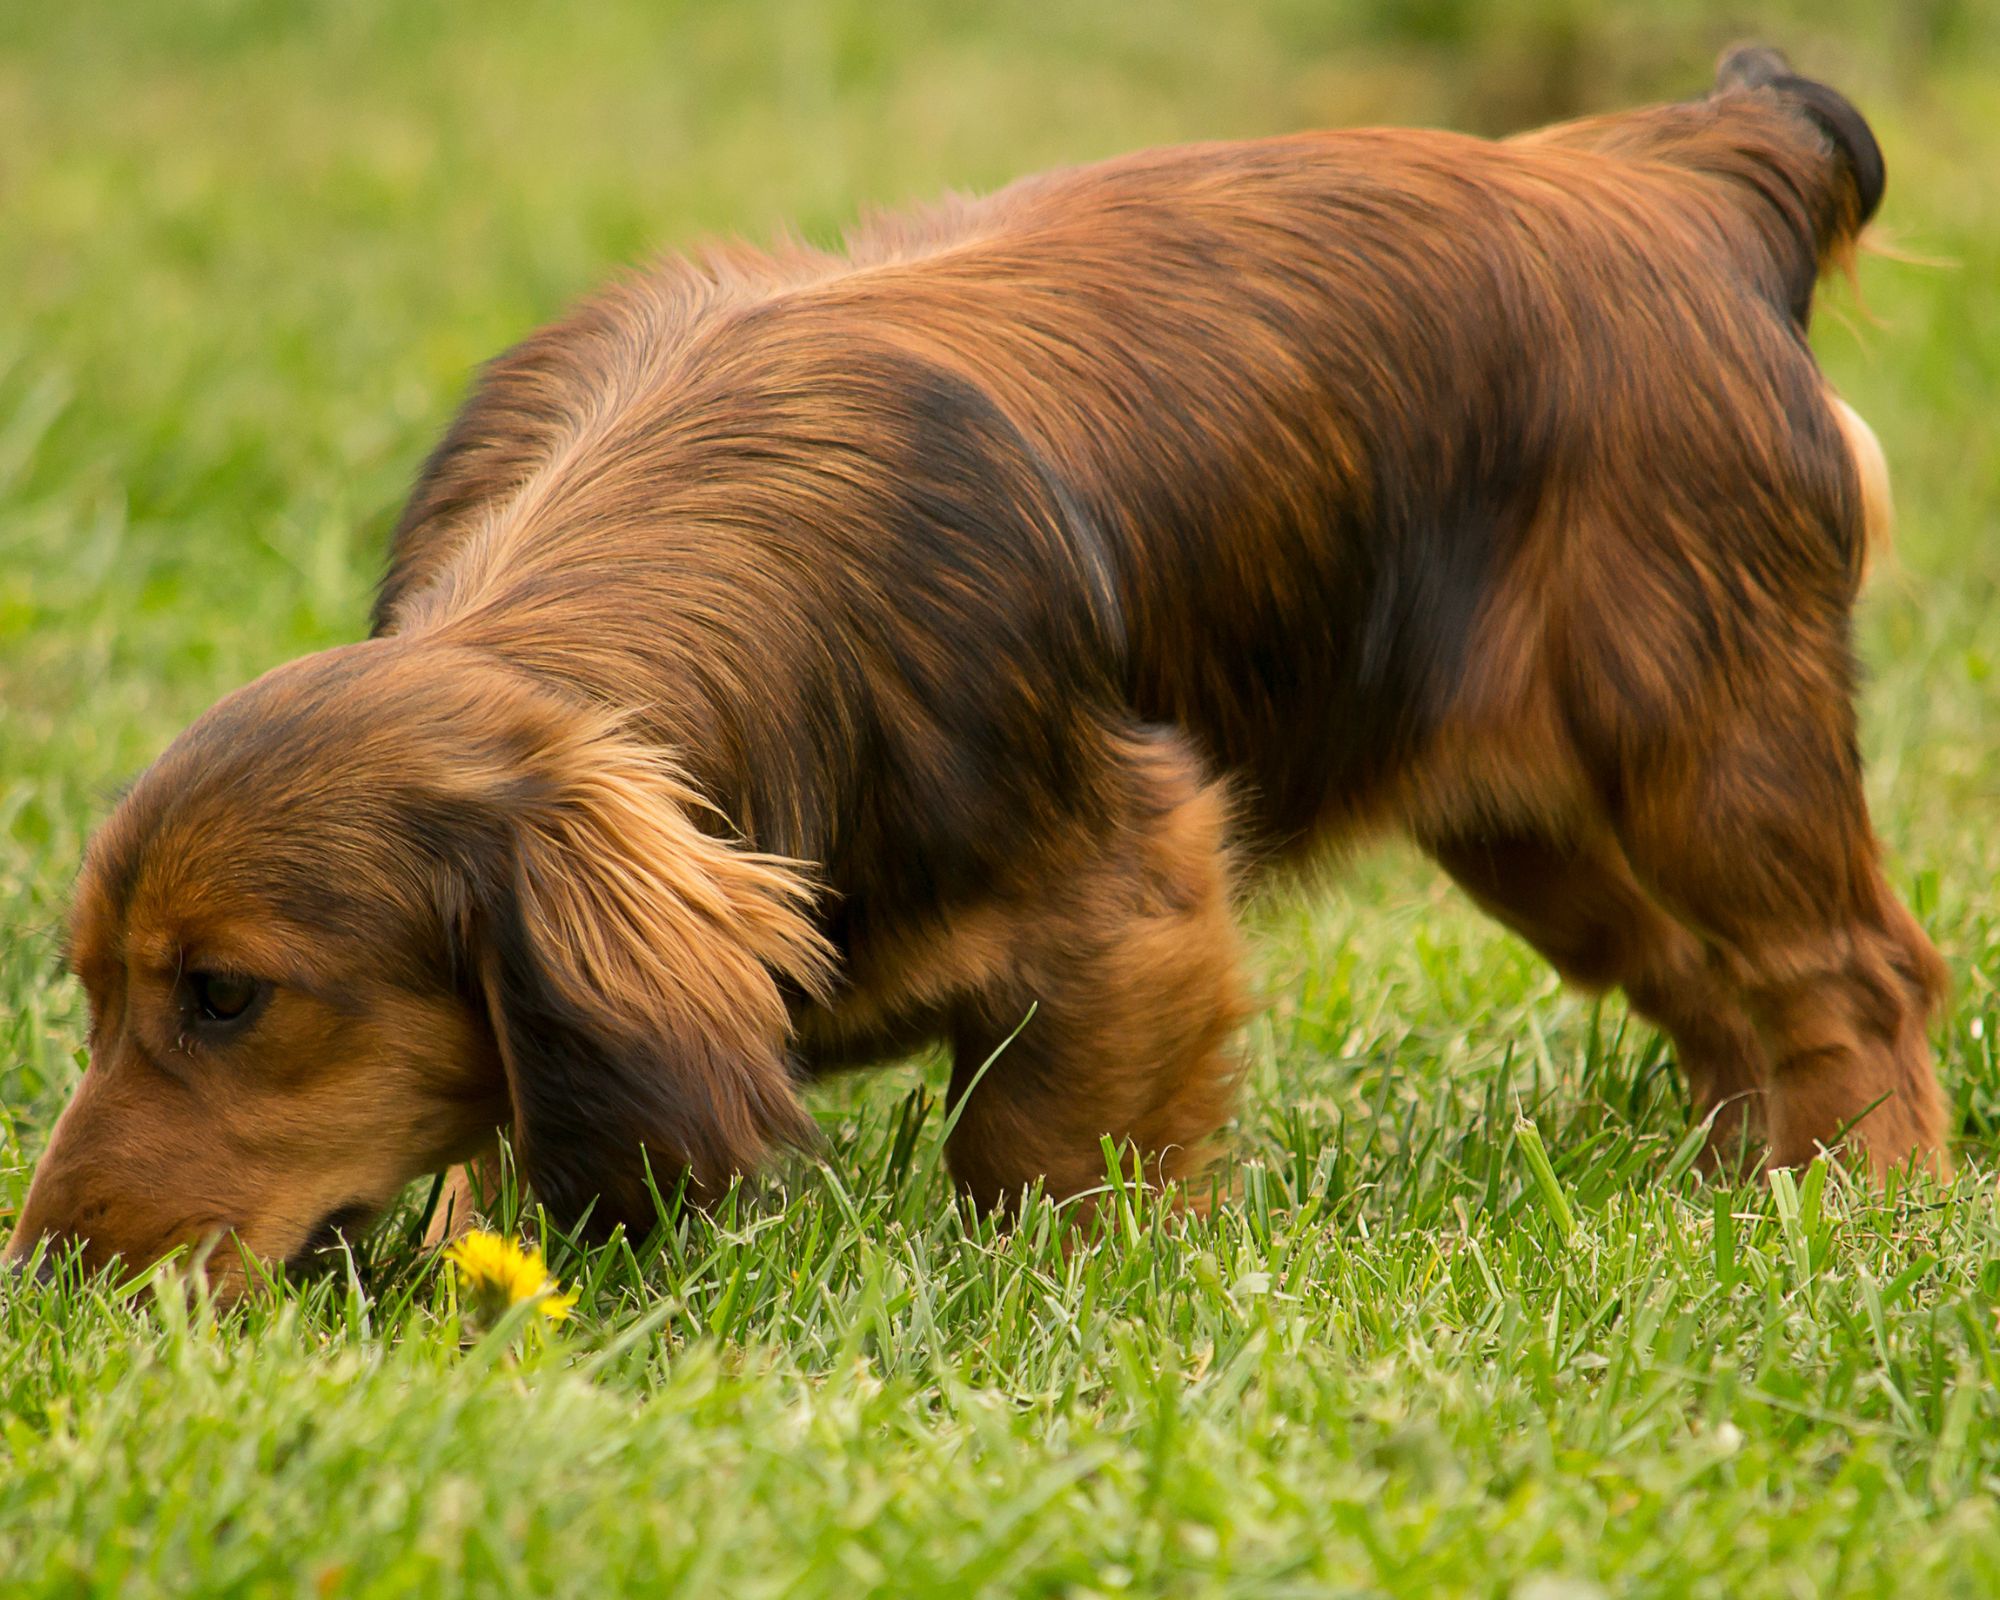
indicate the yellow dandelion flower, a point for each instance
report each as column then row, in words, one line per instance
column 495, row 1273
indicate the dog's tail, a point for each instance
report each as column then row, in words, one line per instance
column 1818, row 193
column 1794, row 158
column 1795, row 162
column 1821, row 185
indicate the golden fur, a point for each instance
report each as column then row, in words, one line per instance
column 788, row 659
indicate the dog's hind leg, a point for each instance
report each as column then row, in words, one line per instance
column 1126, row 954
column 1731, row 776
column 1759, row 837
column 1580, row 906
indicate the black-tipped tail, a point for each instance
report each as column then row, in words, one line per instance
column 1756, row 66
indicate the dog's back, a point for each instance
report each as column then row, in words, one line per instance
column 1256, row 431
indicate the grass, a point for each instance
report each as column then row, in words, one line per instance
column 1472, row 1325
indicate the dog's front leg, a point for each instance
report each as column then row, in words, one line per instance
column 1123, row 958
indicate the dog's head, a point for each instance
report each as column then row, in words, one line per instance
column 376, row 905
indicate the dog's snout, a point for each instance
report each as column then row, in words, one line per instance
column 343, row 1225
column 31, row 1261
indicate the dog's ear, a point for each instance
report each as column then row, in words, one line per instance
column 633, row 968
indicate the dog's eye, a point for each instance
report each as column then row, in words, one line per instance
column 222, row 996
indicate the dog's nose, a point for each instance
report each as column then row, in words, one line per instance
column 40, row 1268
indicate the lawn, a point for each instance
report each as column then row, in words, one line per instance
column 250, row 252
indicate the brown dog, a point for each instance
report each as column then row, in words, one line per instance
column 785, row 660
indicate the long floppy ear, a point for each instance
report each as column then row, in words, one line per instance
column 632, row 967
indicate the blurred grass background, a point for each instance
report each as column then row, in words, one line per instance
column 251, row 250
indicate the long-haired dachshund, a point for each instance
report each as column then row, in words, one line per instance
column 787, row 659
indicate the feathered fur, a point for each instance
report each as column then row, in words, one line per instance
column 786, row 659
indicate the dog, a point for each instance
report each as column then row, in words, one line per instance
column 788, row 659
